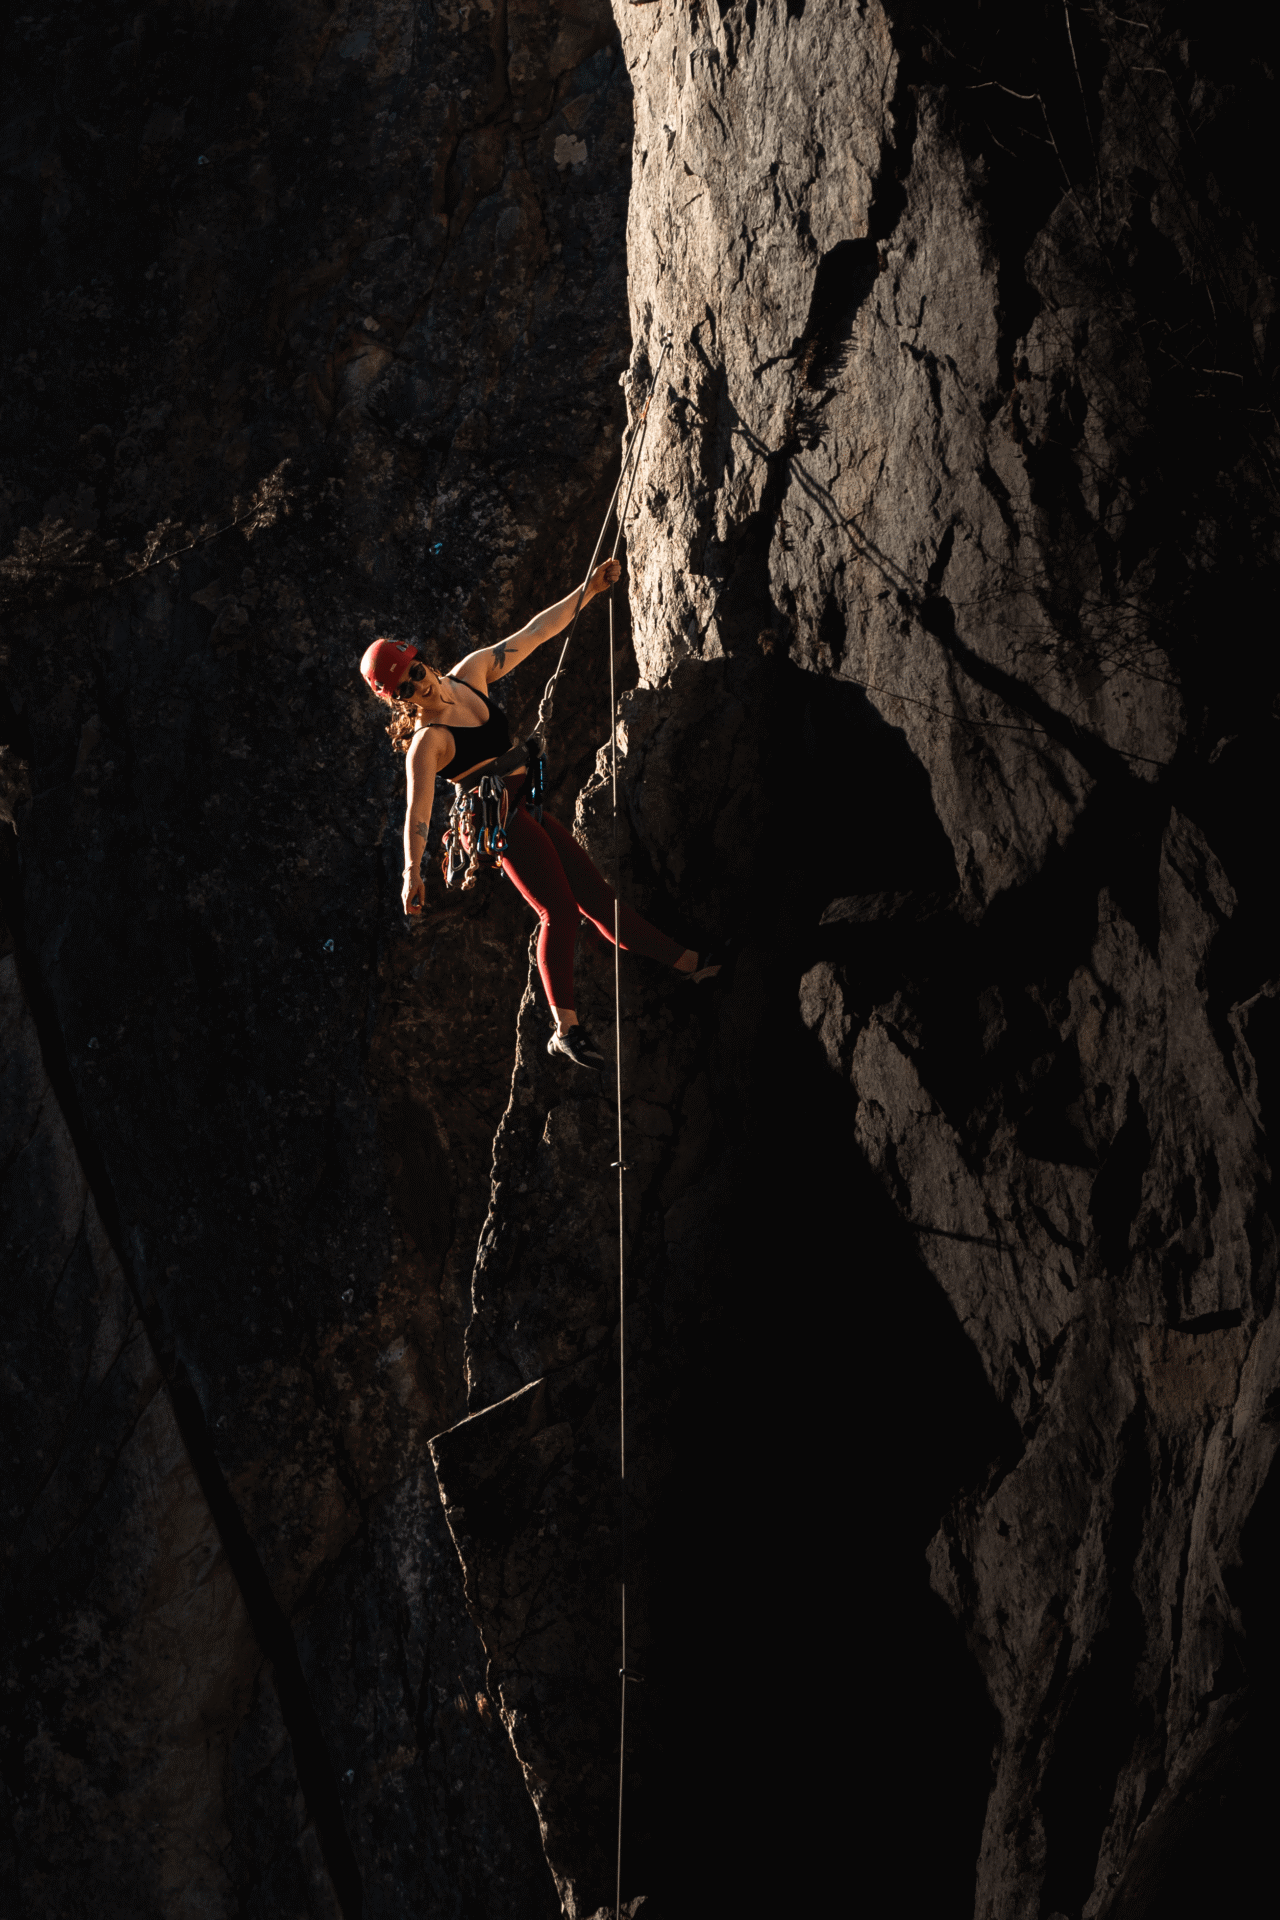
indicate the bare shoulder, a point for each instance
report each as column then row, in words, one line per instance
column 428, row 751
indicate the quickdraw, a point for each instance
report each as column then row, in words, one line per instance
column 476, row 837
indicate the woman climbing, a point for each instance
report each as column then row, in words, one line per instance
column 447, row 725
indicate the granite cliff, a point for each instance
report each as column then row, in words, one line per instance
column 952, row 1334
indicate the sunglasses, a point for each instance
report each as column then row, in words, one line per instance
column 417, row 672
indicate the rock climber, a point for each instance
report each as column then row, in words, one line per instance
column 446, row 724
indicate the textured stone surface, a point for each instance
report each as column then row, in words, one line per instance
column 948, row 1210
column 935, row 302
column 1104, row 1233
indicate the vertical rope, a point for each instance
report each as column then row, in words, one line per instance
column 630, row 466
column 622, row 1255
column 631, row 458
column 638, row 446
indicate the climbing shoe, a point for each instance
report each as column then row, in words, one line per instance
column 577, row 1045
column 715, row 959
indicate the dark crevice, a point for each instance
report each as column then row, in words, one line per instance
column 939, row 564
column 1213, row 1322
column 316, row 1775
column 844, row 278
column 1000, row 494
column 832, row 630
column 889, row 195
column 746, row 606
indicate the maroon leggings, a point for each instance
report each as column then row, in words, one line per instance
column 560, row 882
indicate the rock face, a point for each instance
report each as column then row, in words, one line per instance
column 947, row 1212
column 907, row 510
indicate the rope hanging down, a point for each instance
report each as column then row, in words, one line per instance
column 623, row 1675
column 631, row 463
column 629, row 469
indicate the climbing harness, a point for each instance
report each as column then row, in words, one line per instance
column 477, row 828
column 476, row 837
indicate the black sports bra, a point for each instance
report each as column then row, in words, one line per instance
column 471, row 745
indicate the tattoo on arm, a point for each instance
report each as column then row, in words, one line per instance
column 423, row 827
column 500, row 652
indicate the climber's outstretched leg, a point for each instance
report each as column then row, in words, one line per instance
column 560, row 881
column 595, row 899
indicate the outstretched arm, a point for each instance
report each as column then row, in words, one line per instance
column 493, row 662
column 424, row 760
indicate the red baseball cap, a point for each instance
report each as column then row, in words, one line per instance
column 385, row 665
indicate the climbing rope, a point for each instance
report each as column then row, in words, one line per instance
column 624, row 1677
column 629, row 469
column 630, row 465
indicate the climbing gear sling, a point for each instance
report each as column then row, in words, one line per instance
column 477, row 828
column 476, row 837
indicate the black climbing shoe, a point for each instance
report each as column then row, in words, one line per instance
column 715, row 959
column 577, row 1045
